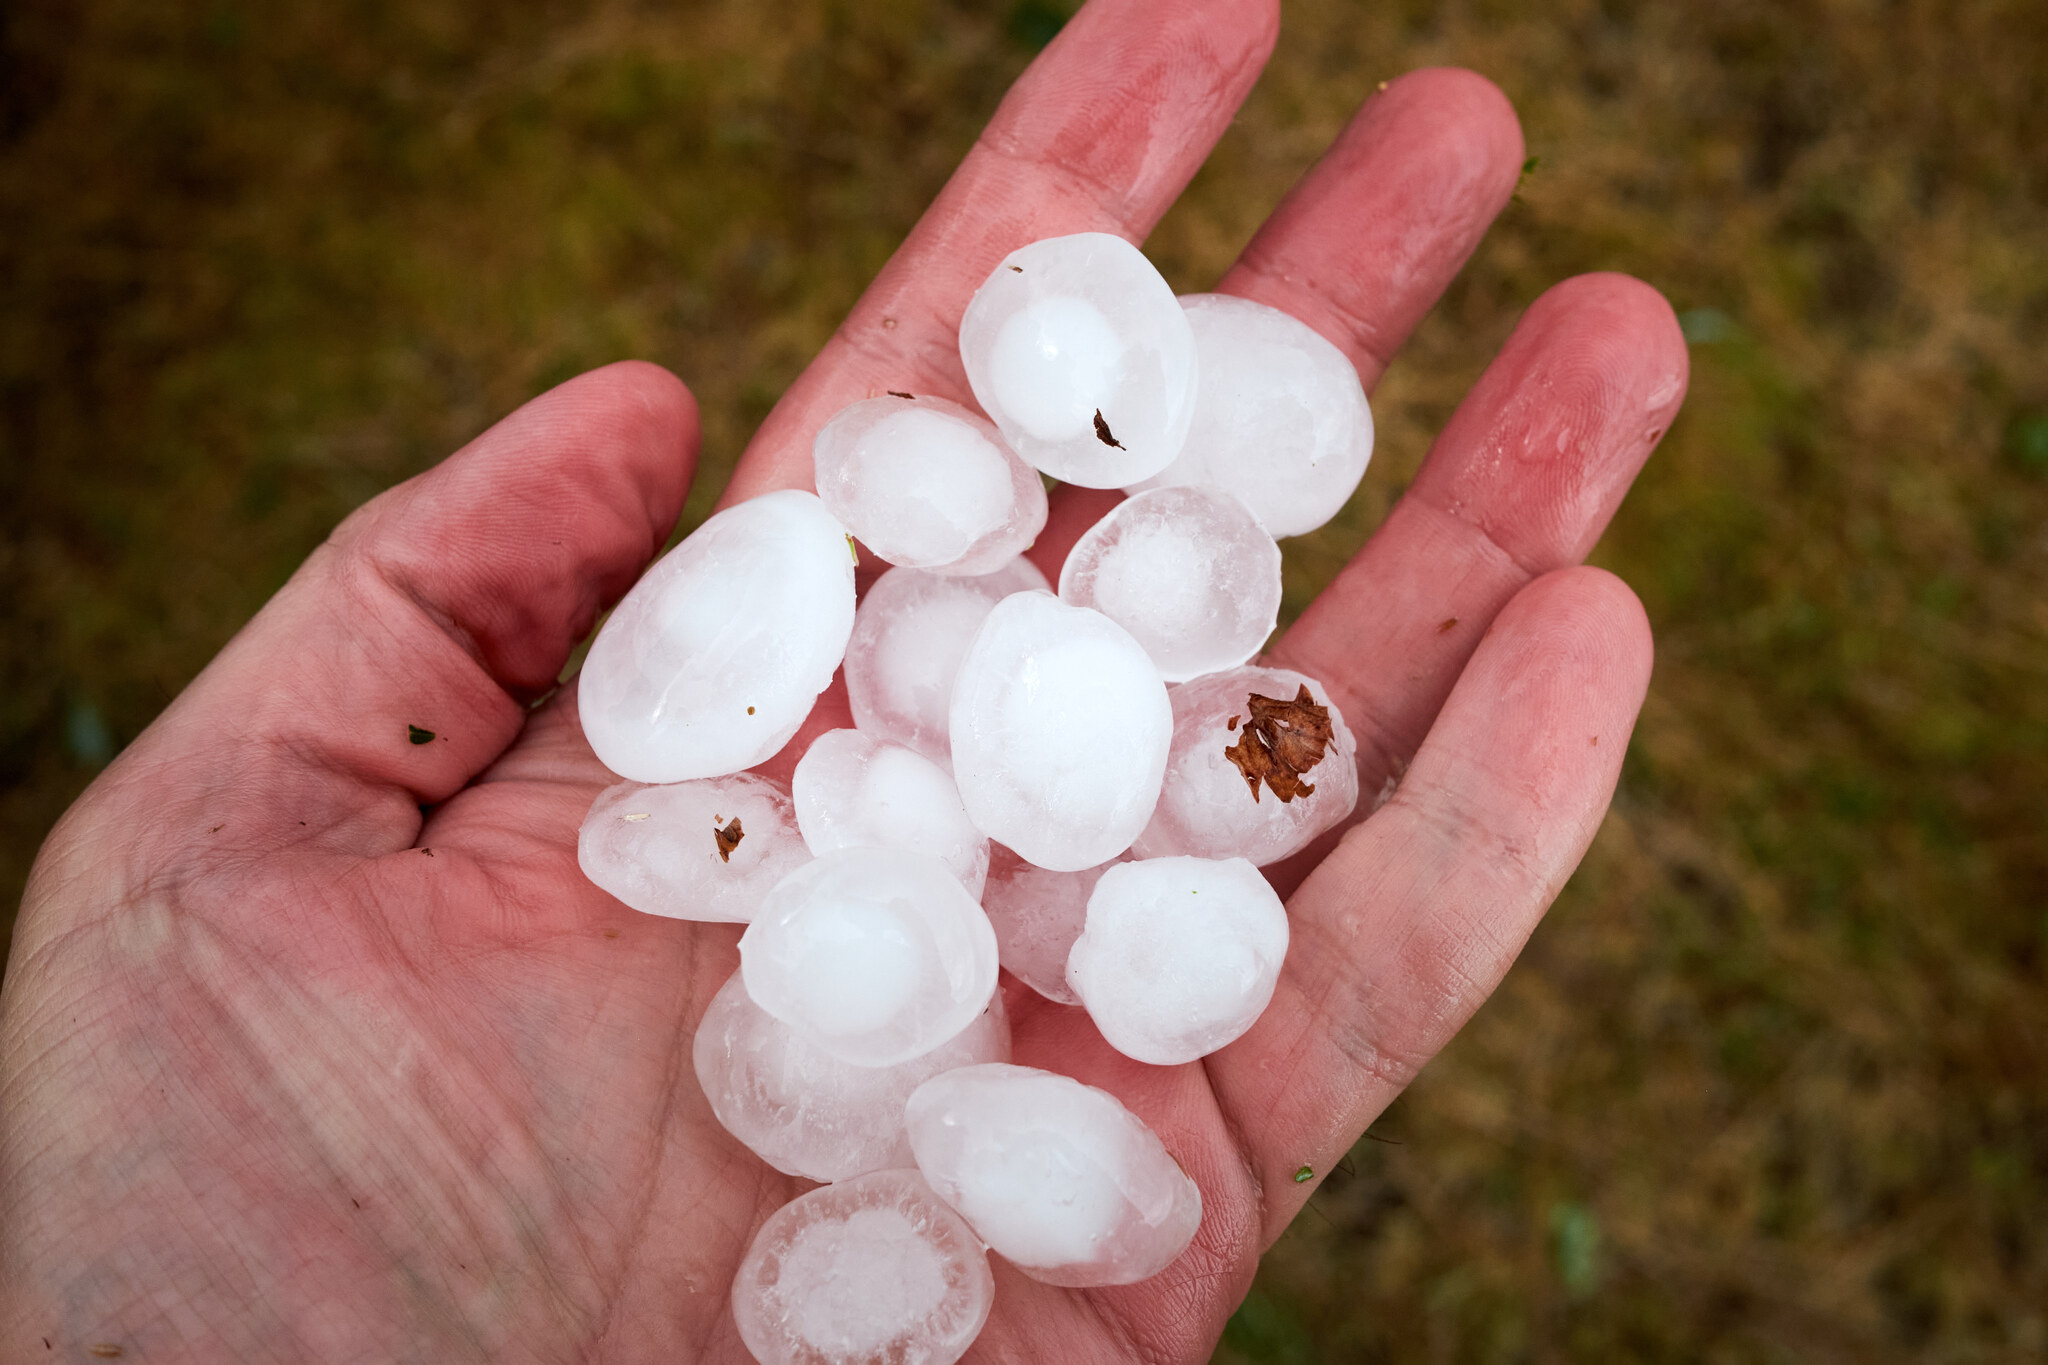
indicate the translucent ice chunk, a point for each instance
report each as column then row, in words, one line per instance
column 1206, row 807
column 928, row 484
column 1281, row 419
column 1060, row 729
column 1186, row 571
column 876, row 955
column 1056, row 1176
column 716, row 655
column 704, row 850
column 805, row 1112
column 1180, row 955
column 1037, row 914
column 874, row 1269
column 854, row 790
column 1079, row 351
column 913, row 629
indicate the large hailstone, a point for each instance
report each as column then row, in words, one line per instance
column 1281, row 419
column 1060, row 729
column 927, row 484
column 876, row 955
column 1209, row 809
column 871, row 1269
column 1037, row 914
column 1057, row 1177
column 854, row 790
column 1187, row 571
column 1179, row 957
column 912, row 631
column 1079, row 351
column 804, row 1111
column 716, row 655
column 703, row 850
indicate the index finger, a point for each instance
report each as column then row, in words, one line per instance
column 1100, row 134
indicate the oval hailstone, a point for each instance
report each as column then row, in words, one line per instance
column 1082, row 356
column 1057, row 1177
column 1208, row 809
column 1281, row 420
column 1187, row 571
column 703, row 850
column 854, row 790
column 715, row 657
column 1060, row 729
column 1179, row 957
column 908, row 639
column 806, row 1112
column 871, row 1269
column 876, row 955
column 927, row 484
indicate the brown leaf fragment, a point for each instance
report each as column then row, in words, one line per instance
column 1231, row 724
column 1446, row 624
column 1018, row 268
column 1102, row 432
column 1281, row 741
column 728, row 839
column 898, row 393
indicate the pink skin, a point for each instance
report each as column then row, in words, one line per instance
column 288, row 1071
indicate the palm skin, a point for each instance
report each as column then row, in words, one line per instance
column 316, row 1045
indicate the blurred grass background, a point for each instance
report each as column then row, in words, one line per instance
column 1771, row 1084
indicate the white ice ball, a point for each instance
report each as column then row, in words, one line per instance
column 1060, row 728
column 927, row 484
column 873, row 1269
column 703, row 850
column 876, row 955
column 1207, row 807
column 1179, row 956
column 853, row 790
column 1187, row 571
column 1281, row 419
column 1057, row 1177
column 912, row 631
column 1078, row 350
column 715, row 657
column 806, row 1112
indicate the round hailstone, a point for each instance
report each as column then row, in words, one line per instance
column 854, row 791
column 872, row 1269
column 1079, row 351
column 1179, row 957
column 704, row 850
column 912, row 631
column 716, row 655
column 1037, row 914
column 1229, row 727
column 805, row 1112
column 1281, row 419
column 876, row 955
column 927, row 484
column 1056, row 1176
column 1186, row 571
column 1060, row 729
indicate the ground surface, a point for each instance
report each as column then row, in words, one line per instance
column 1772, row 1082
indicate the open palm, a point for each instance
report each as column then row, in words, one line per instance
column 317, row 1045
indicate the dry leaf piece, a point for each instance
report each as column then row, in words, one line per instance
column 1281, row 741
column 728, row 839
column 1102, row 432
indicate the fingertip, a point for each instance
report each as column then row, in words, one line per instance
column 1474, row 121
column 1591, row 621
column 1638, row 325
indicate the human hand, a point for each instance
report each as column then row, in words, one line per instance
column 292, row 1067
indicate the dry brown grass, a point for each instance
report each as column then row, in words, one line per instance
column 1772, row 1082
